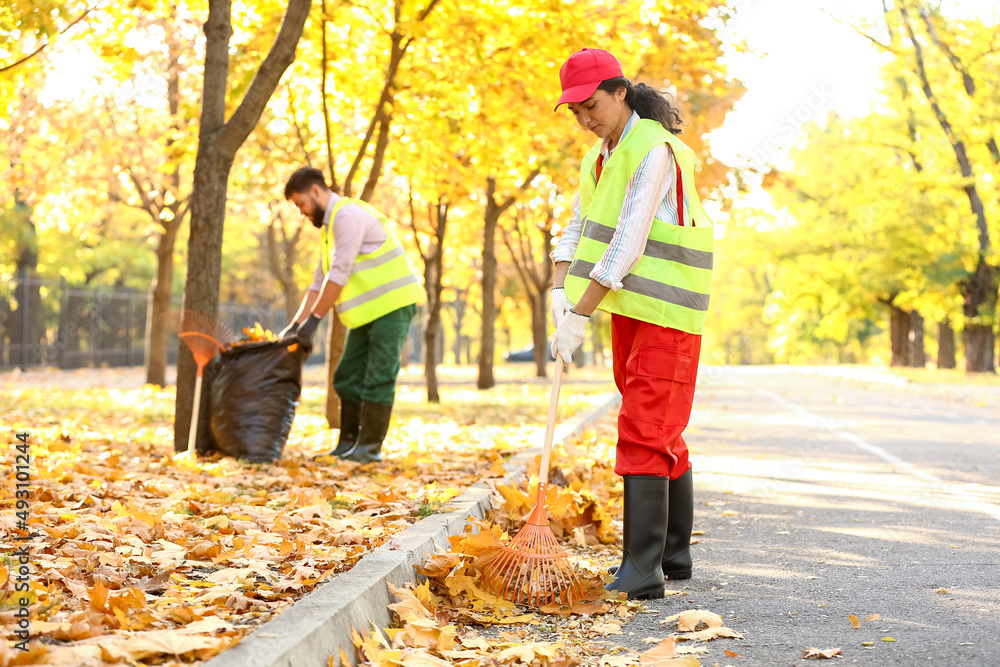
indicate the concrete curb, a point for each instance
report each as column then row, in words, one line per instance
column 319, row 625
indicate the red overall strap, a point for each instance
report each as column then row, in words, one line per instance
column 680, row 182
column 680, row 188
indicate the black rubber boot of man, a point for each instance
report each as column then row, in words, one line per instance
column 350, row 424
column 374, row 425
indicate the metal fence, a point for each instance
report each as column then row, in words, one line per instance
column 48, row 323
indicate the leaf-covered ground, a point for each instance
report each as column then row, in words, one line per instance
column 453, row 619
column 140, row 558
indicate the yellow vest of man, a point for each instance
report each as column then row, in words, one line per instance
column 671, row 284
column 381, row 281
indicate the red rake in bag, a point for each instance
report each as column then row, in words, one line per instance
column 205, row 337
column 534, row 569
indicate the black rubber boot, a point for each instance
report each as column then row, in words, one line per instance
column 374, row 425
column 680, row 520
column 350, row 422
column 677, row 552
column 645, row 532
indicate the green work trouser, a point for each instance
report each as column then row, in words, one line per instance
column 368, row 369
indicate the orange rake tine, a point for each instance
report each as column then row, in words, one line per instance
column 534, row 569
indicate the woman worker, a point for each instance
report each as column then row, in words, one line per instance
column 639, row 248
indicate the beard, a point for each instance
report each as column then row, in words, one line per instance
column 318, row 213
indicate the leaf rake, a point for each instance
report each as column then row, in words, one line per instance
column 534, row 570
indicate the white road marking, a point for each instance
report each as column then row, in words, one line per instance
column 990, row 510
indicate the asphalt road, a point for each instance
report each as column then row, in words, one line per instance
column 822, row 497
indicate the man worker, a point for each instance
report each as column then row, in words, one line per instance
column 362, row 270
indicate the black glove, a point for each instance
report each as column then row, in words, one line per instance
column 304, row 334
column 289, row 331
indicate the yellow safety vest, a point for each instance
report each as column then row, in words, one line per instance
column 670, row 285
column 381, row 281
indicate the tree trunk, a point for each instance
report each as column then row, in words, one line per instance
column 539, row 316
column 980, row 296
column 162, row 287
column 459, row 308
column 536, row 276
column 746, row 350
column 30, row 318
column 156, row 324
column 946, row 345
column 980, row 348
column 201, row 287
column 491, row 218
column 406, row 352
column 281, row 259
column 337, row 339
column 431, row 360
column 916, row 354
column 489, row 283
column 218, row 141
column 433, row 270
column 899, row 335
column 433, row 260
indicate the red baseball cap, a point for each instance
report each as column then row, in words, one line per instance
column 584, row 71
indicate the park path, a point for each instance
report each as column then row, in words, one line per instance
column 823, row 496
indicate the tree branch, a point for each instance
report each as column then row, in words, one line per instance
column 46, row 44
column 298, row 128
column 147, row 204
column 272, row 254
column 958, row 146
column 427, row 10
column 525, row 184
column 397, row 51
column 967, row 81
column 385, row 97
column 884, row 47
column 282, row 53
column 326, row 111
column 413, row 221
column 505, row 235
column 380, row 145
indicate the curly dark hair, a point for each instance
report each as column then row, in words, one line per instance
column 646, row 101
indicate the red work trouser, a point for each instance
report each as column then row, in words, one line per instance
column 655, row 370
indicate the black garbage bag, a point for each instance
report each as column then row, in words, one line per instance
column 252, row 399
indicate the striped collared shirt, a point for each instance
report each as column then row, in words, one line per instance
column 651, row 194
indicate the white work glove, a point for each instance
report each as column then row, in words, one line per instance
column 569, row 335
column 559, row 305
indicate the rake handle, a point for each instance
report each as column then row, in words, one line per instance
column 193, row 433
column 550, row 427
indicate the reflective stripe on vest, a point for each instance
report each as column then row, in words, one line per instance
column 671, row 284
column 381, row 281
